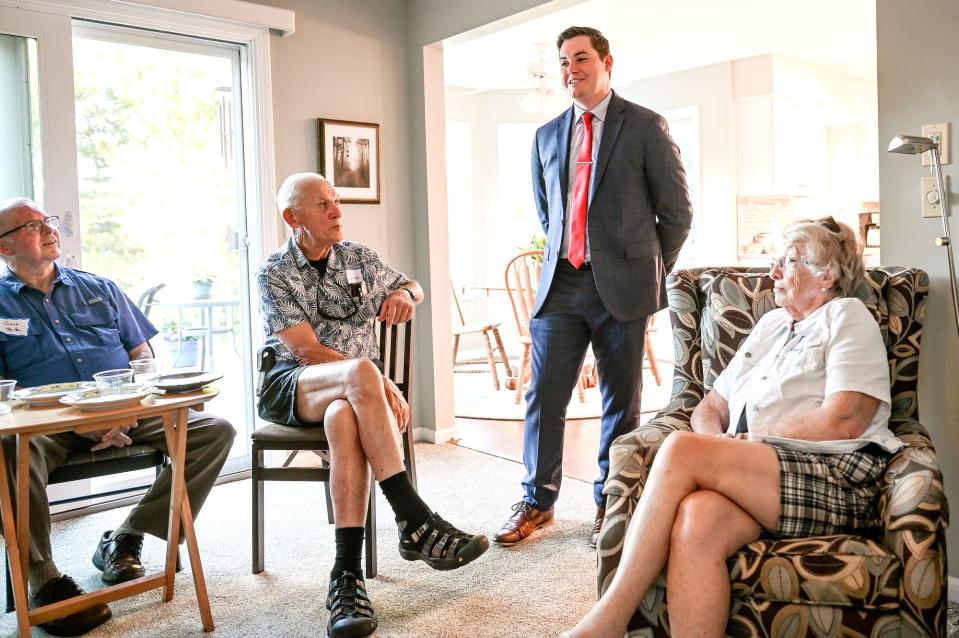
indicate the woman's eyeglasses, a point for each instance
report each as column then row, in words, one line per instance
column 787, row 264
column 35, row 226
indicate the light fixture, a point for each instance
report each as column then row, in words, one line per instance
column 914, row 145
column 543, row 97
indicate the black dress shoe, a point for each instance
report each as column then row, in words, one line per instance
column 119, row 558
column 597, row 525
column 64, row 588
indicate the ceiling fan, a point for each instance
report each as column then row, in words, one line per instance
column 543, row 79
column 544, row 97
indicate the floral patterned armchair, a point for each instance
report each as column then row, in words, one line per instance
column 841, row 585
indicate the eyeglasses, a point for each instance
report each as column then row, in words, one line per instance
column 333, row 309
column 787, row 264
column 35, row 226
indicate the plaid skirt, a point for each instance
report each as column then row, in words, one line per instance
column 823, row 494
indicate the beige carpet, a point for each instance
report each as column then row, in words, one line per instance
column 536, row 589
column 475, row 397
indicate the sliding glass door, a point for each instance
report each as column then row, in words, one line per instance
column 135, row 139
column 161, row 183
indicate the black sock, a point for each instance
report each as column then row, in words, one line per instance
column 409, row 508
column 349, row 551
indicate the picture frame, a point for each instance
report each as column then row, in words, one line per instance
column 349, row 157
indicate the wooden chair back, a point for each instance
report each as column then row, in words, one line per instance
column 456, row 302
column 522, row 278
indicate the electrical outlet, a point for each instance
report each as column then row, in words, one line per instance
column 937, row 133
column 930, row 197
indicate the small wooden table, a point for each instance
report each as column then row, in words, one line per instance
column 25, row 423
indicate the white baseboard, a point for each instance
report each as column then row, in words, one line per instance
column 953, row 589
column 435, row 436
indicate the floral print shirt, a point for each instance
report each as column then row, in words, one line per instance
column 341, row 306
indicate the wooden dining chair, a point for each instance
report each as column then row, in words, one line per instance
column 395, row 352
column 648, row 349
column 487, row 329
column 522, row 278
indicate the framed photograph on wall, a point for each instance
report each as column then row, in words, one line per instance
column 349, row 156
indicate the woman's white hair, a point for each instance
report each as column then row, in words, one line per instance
column 289, row 193
column 830, row 247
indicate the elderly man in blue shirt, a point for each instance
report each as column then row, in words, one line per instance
column 59, row 325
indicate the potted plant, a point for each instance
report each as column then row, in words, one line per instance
column 202, row 287
column 182, row 348
column 537, row 242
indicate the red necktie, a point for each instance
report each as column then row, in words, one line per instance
column 584, row 165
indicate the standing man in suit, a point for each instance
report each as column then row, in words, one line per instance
column 611, row 196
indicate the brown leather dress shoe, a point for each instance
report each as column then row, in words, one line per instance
column 521, row 524
column 597, row 525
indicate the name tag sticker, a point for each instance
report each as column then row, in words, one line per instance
column 354, row 277
column 17, row 327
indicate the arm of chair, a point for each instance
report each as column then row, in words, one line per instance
column 630, row 457
column 915, row 515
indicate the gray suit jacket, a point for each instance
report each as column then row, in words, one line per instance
column 639, row 211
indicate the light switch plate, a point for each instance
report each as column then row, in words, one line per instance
column 938, row 133
column 930, row 197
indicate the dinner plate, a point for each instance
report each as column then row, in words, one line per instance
column 185, row 381
column 92, row 399
column 50, row 394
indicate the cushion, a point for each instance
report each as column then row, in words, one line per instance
column 841, row 570
column 276, row 433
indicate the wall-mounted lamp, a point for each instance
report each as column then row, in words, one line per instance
column 914, row 145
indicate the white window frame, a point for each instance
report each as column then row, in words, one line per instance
column 58, row 147
column 256, row 81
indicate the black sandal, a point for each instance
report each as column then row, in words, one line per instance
column 440, row 545
column 351, row 613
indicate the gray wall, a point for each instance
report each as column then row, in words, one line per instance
column 918, row 47
column 347, row 61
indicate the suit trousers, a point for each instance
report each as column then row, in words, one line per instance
column 208, row 443
column 573, row 317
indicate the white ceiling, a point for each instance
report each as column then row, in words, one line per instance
column 655, row 37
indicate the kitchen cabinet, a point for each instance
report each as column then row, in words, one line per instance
column 782, row 147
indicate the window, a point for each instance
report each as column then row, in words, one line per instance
column 19, row 118
column 684, row 129
column 144, row 159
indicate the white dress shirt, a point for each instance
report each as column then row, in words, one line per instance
column 777, row 373
column 576, row 140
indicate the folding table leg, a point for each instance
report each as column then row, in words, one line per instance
column 13, row 553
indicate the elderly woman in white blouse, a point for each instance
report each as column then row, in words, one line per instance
column 810, row 385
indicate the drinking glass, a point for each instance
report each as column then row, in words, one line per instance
column 145, row 370
column 111, row 381
column 6, row 395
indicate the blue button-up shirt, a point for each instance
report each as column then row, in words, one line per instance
column 84, row 325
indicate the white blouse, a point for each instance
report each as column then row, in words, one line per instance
column 777, row 373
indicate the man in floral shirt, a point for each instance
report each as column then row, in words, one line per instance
column 319, row 297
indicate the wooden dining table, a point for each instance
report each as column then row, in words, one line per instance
column 25, row 422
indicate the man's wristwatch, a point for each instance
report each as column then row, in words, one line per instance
column 411, row 294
